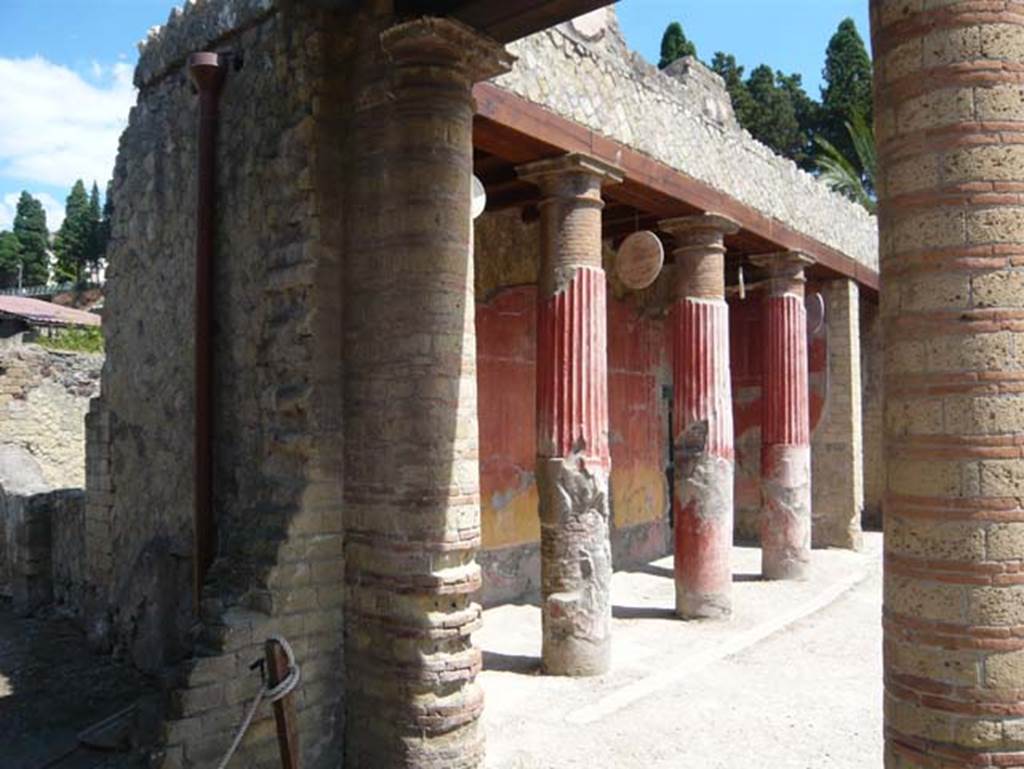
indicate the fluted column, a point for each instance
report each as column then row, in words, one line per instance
column 950, row 131
column 573, row 461
column 785, row 421
column 702, row 428
column 412, row 515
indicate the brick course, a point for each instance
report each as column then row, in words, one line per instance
column 949, row 119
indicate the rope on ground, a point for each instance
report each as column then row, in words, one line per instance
column 270, row 694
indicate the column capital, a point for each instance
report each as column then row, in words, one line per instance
column 699, row 254
column 432, row 41
column 783, row 263
column 698, row 229
column 550, row 174
column 785, row 271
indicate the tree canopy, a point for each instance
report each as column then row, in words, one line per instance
column 675, row 45
column 10, row 259
column 778, row 112
column 33, row 239
column 74, row 236
column 846, row 95
column 80, row 241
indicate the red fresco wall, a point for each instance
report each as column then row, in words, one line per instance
column 637, row 366
column 506, row 351
column 745, row 348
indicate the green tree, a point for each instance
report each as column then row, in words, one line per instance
column 75, row 236
column 773, row 107
column 808, row 117
column 33, row 238
column 97, row 243
column 105, row 222
column 10, row 259
column 675, row 45
column 742, row 104
column 774, row 121
column 853, row 177
column 847, row 90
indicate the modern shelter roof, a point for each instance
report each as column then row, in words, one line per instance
column 40, row 313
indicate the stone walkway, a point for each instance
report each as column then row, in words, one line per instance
column 794, row 681
column 51, row 688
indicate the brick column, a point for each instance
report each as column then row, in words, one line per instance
column 573, row 461
column 950, row 131
column 702, row 428
column 837, row 447
column 412, row 515
column 785, row 422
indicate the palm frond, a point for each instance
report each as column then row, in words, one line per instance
column 840, row 173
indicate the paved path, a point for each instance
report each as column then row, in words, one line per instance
column 793, row 682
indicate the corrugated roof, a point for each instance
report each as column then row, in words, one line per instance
column 45, row 313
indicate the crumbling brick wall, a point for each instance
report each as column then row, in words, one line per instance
column 277, row 369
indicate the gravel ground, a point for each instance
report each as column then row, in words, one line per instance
column 794, row 681
column 51, row 688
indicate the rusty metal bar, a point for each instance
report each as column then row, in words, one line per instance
column 208, row 75
column 284, row 708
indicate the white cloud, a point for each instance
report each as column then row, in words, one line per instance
column 56, row 127
column 54, row 210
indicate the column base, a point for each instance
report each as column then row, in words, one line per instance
column 785, row 512
column 576, row 657
column 711, row 606
column 704, row 532
column 576, row 567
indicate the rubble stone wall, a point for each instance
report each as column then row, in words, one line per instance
column 41, row 560
column 44, row 395
column 276, row 372
column 680, row 118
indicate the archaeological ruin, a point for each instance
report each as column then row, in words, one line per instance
column 351, row 399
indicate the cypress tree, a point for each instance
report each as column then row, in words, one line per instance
column 97, row 246
column 33, row 238
column 774, row 122
column 75, row 237
column 105, row 217
column 10, row 259
column 675, row 45
column 847, row 91
column 742, row 104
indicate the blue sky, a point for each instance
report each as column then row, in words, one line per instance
column 65, row 72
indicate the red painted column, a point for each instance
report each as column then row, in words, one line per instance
column 573, row 461
column 785, row 422
column 702, row 427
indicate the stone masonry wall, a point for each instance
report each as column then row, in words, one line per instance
column 40, row 554
column 677, row 120
column 277, row 368
column 836, row 446
column 44, row 396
